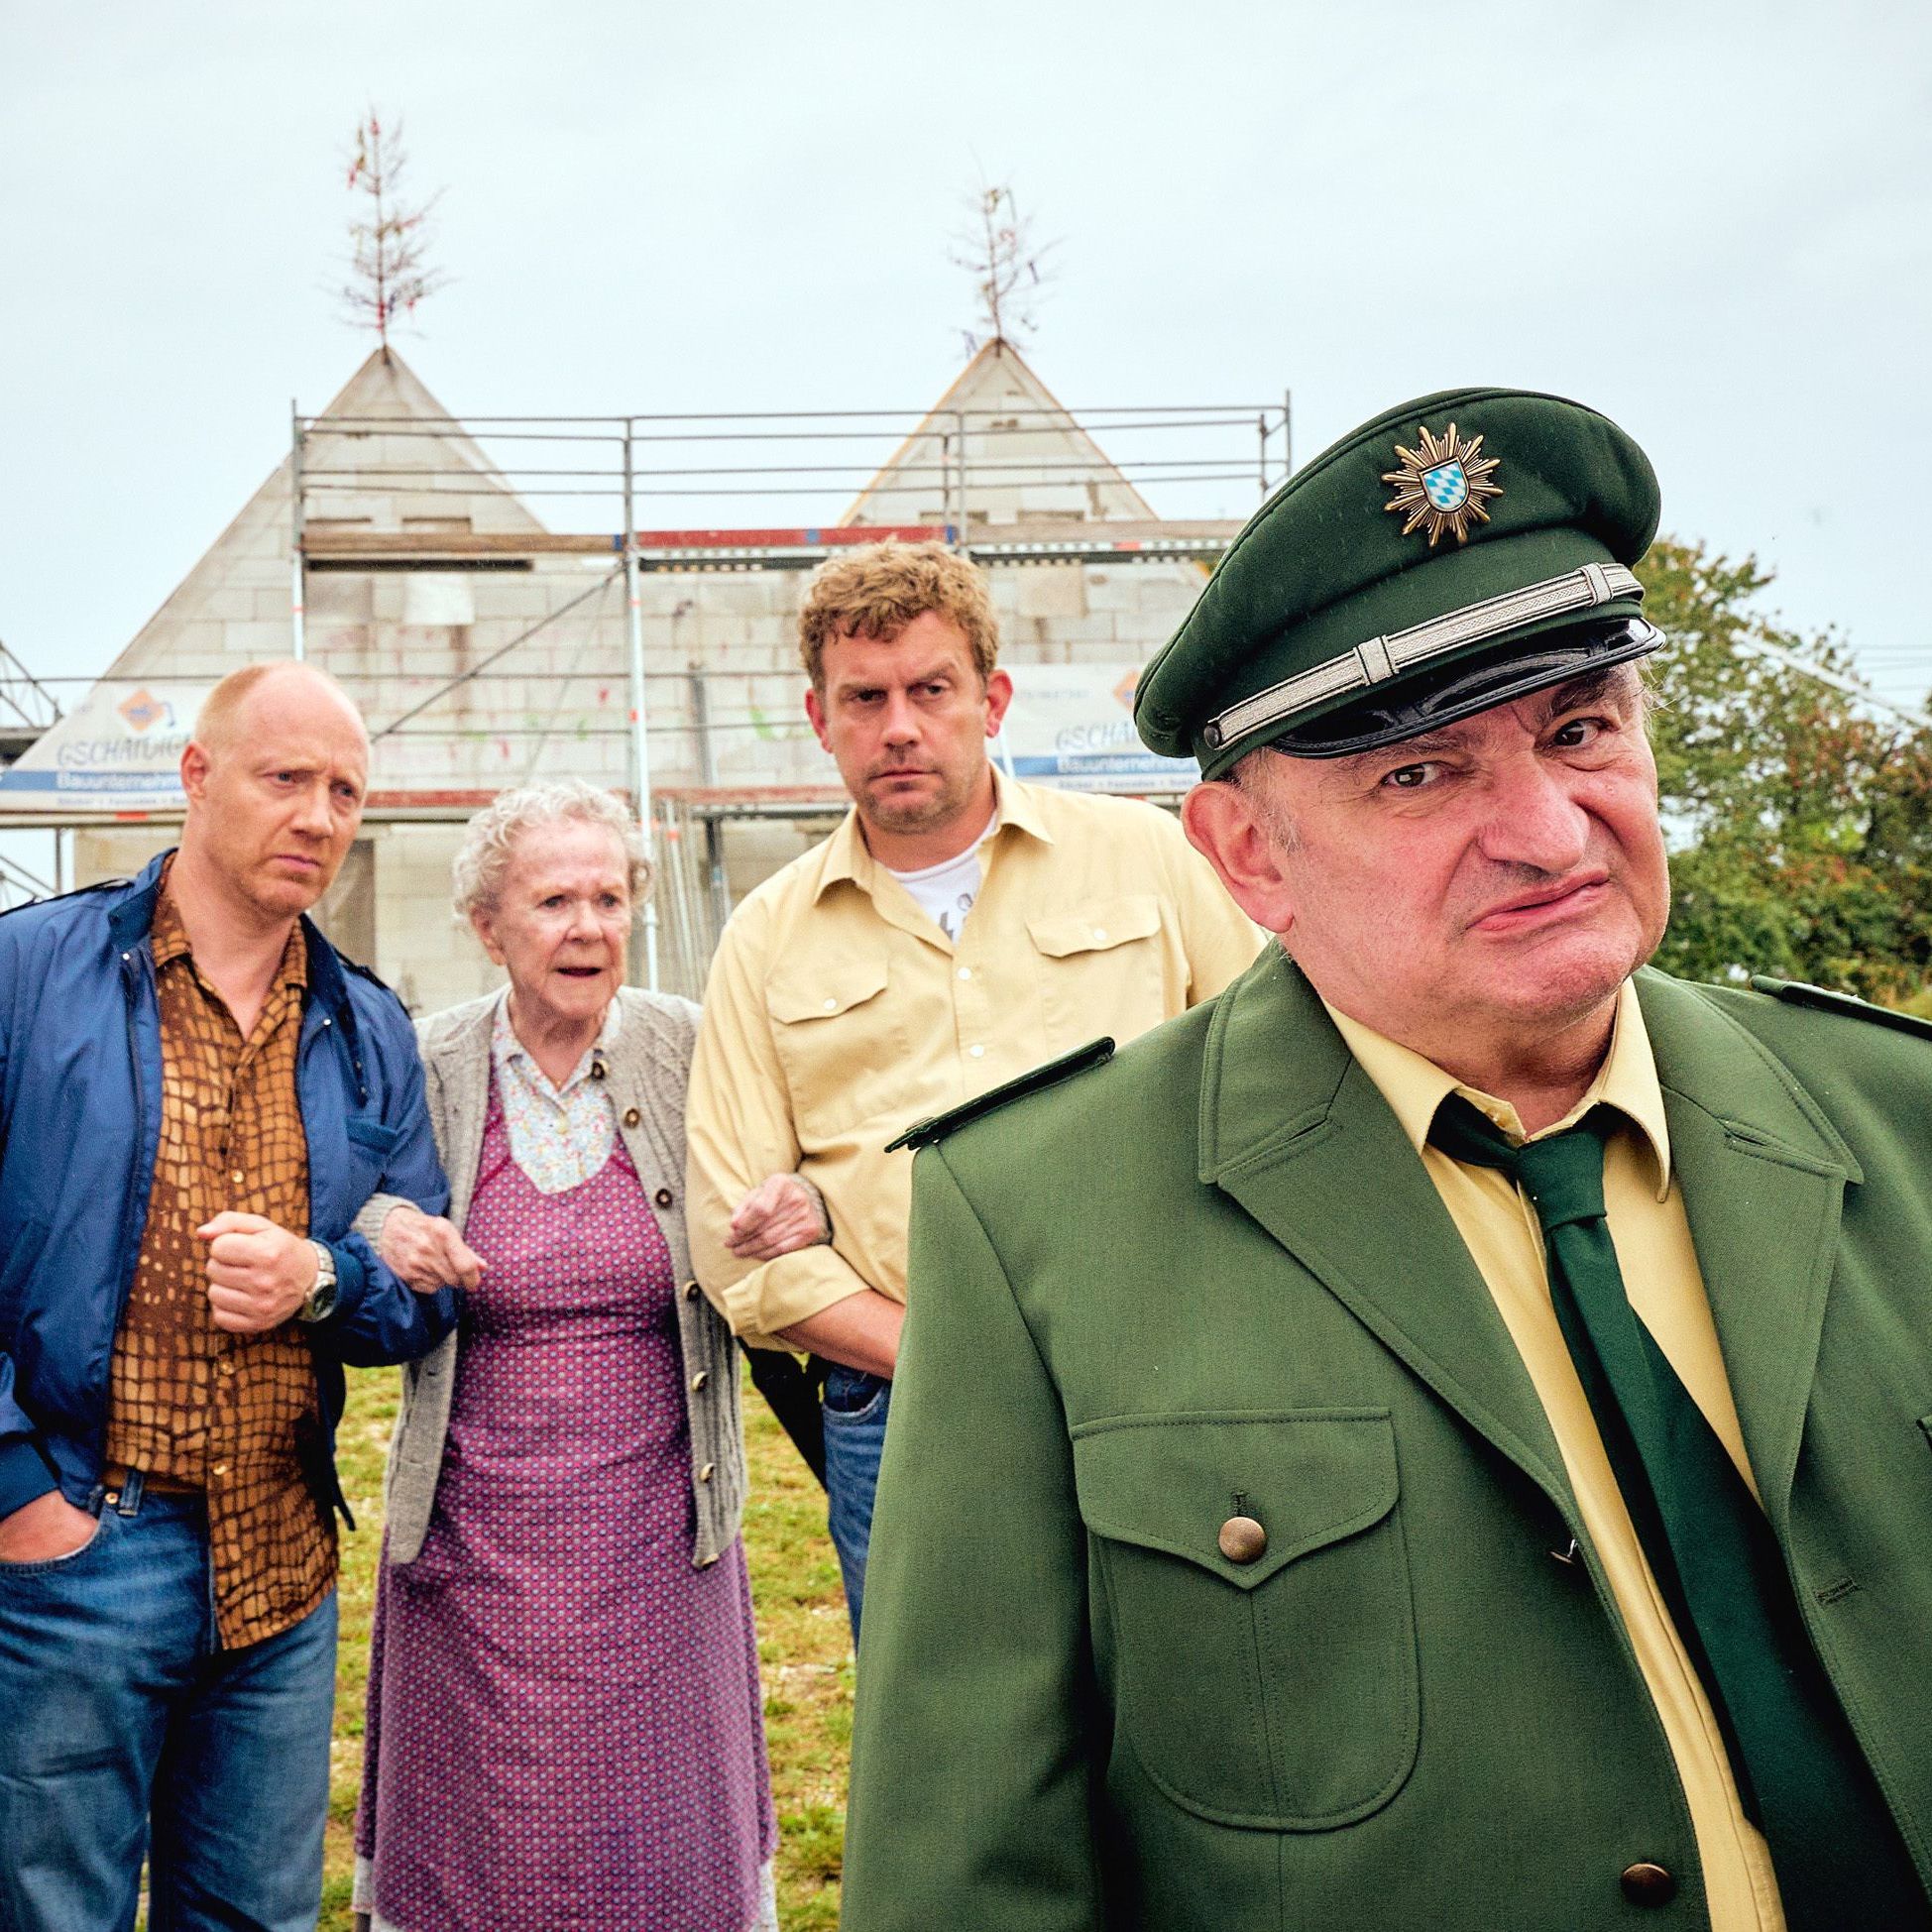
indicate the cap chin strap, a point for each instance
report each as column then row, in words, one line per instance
column 1383, row 658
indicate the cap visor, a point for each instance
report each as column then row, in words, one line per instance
column 1464, row 689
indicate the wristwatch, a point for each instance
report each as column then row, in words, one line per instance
column 320, row 1304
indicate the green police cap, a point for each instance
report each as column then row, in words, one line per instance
column 1452, row 553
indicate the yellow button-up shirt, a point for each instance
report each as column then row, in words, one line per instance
column 1648, row 1227
column 837, row 1014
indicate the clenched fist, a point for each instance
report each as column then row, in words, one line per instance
column 259, row 1274
column 426, row 1252
column 781, row 1214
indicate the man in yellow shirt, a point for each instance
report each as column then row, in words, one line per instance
column 957, row 930
column 1438, row 1436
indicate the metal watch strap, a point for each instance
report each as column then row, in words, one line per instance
column 320, row 1300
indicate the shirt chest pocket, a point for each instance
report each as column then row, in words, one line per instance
column 1263, row 1680
column 840, row 1041
column 1104, row 970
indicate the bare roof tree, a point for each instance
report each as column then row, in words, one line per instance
column 388, row 263
column 995, row 246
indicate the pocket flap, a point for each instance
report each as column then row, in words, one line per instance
column 1308, row 1476
column 826, row 991
column 375, row 1135
column 1096, row 926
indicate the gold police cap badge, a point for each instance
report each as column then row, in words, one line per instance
column 1441, row 486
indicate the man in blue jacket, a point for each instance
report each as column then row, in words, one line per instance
column 196, row 1096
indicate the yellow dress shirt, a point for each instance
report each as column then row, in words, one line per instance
column 1648, row 1227
column 837, row 1014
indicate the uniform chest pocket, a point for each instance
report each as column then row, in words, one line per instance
column 1262, row 1679
column 840, row 1041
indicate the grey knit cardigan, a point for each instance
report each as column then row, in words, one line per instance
column 646, row 1068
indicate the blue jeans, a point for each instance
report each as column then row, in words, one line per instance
column 124, row 1731
column 856, row 1405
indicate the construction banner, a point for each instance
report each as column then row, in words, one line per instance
column 1071, row 725
column 117, row 751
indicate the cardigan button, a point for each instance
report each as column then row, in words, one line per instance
column 691, row 1291
column 663, row 1196
column 1645, row 1883
column 632, row 1116
column 1242, row 1539
column 698, row 1380
column 705, row 1474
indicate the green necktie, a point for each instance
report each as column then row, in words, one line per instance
column 1800, row 1773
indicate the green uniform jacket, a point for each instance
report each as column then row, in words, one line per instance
column 1213, row 1278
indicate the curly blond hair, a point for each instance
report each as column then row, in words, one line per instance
column 877, row 591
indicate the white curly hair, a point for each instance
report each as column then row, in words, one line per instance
column 476, row 873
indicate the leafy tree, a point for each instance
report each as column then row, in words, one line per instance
column 1800, row 820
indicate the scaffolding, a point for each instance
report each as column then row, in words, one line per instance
column 28, row 708
column 1010, row 487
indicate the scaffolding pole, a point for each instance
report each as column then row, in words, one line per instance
column 296, row 589
column 959, row 446
column 640, row 728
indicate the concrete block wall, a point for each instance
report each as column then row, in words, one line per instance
column 118, row 851
column 558, row 703
column 420, row 949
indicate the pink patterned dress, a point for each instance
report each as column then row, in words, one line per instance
column 564, row 1729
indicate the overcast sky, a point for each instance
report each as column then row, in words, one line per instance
column 1708, row 220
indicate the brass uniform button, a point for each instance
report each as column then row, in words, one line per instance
column 1242, row 1539
column 632, row 1116
column 1645, row 1883
column 698, row 1380
column 691, row 1291
column 663, row 1196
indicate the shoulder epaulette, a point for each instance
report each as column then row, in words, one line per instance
column 74, row 892
column 1797, row 994
column 922, row 1133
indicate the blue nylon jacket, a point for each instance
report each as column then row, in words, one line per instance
column 80, row 1072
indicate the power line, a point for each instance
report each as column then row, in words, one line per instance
column 1836, row 679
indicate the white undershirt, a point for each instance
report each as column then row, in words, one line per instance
column 944, row 892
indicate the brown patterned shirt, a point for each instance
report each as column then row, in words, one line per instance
column 189, row 1402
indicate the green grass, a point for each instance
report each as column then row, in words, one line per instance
column 804, row 1646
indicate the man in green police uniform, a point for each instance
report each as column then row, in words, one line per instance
column 1438, row 1435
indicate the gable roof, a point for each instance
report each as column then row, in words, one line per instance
column 235, row 606
column 1027, row 460
column 235, row 603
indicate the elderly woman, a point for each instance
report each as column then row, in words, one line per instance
column 564, row 1720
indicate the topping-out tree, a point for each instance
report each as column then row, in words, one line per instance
column 995, row 246
column 389, row 265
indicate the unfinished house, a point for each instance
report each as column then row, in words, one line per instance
column 444, row 571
